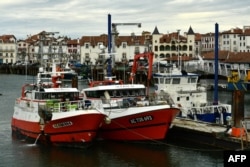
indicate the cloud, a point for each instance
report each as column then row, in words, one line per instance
column 76, row 18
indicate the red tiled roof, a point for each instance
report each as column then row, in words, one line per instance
column 72, row 42
column 167, row 37
column 240, row 57
column 93, row 40
column 6, row 38
column 198, row 37
column 210, row 55
column 233, row 31
column 229, row 57
column 247, row 32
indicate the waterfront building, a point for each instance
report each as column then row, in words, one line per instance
column 44, row 46
column 244, row 40
column 8, row 49
column 73, row 50
column 94, row 48
column 167, row 46
column 25, row 51
column 207, row 42
column 229, row 40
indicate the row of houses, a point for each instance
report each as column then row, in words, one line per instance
column 45, row 46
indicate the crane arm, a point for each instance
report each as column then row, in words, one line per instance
column 126, row 24
column 149, row 56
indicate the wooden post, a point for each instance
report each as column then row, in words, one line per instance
column 238, row 107
column 75, row 82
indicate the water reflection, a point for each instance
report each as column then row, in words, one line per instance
column 134, row 154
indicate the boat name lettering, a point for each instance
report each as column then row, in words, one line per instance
column 62, row 124
column 141, row 119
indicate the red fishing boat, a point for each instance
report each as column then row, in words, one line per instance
column 135, row 115
column 49, row 113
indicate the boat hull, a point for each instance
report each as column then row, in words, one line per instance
column 153, row 124
column 77, row 129
column 213, row 117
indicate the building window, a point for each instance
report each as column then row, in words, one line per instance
column 86, row 45
column 156, row 48
column 124, row 45
column 99, row 44
column 162, row 48
column 137, row 50
column 190, row 48
column 124, row 55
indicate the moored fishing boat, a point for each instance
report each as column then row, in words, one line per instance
column 135, row 114
column 69, row 73
column 185, row 91
column 52, row 114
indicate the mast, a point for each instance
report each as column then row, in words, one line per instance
column 109, row 73
column 216, row 52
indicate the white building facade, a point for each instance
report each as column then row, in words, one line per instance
column 8, row 49
column 173, row 44
column 94, row 48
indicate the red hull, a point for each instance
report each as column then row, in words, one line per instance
column 77, row 129
column 152, row 125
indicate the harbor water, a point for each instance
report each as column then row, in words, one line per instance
column 18, row 153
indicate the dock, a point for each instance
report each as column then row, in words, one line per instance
column 214, row 135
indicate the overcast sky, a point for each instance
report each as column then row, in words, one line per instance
column 77, row 18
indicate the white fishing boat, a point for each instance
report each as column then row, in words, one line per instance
column 186, row 92
column 47, row 112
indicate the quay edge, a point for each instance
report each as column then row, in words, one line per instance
column 212, row 135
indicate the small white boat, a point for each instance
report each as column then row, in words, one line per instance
column 185, row 91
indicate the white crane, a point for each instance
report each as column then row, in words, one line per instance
column 115, row 33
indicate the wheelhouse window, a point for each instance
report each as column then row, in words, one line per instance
column 176, row 80
column 192, row 80
column 116, row 93
column 167, row 81
column 94, row 94
column 61, row 95
column 162, row 80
